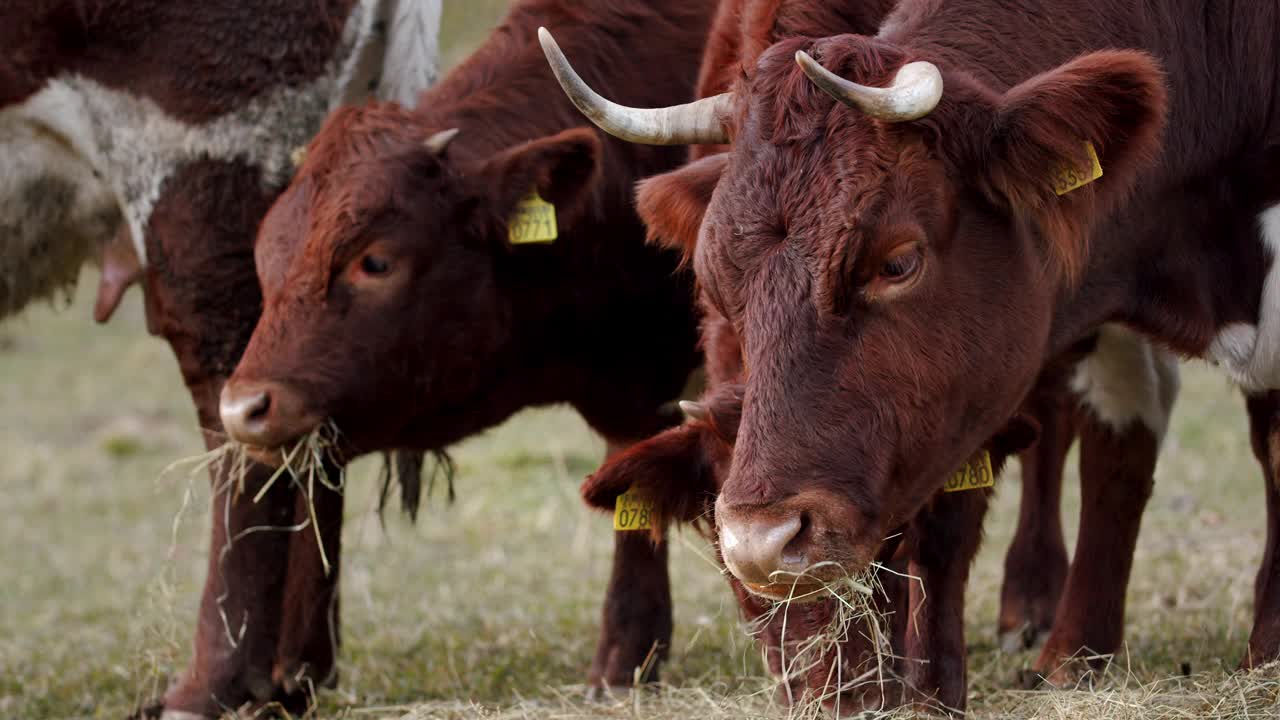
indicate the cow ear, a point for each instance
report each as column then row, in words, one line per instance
column 1111, row 103
column 672, row 469
column 563, row 168
column 672, row 205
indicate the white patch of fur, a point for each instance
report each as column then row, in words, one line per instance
column 1249, row 354
column 413, row 51
column 402, row 56
column 121, row 149
column 1127, row 379
column 54, row 213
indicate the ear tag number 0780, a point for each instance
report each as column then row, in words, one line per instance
column 632, row 511
column 533, row 221
column 974, row 474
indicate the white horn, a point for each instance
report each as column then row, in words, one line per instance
column 696, row 123
column 913, row 94
column 437, row 143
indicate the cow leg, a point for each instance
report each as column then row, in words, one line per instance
column 943, row 539
column 240, row 611
column 1035, row 567
column 309, row 635
column 1264, row 431
column 1127, row 391
column 201, row 293
column 636, row 625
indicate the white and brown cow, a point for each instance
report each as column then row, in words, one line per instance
column 157, row 134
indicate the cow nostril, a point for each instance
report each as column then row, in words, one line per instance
column 794, row 554
column 259, row 407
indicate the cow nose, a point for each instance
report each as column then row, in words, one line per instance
column 246, row 413
column 755, row 546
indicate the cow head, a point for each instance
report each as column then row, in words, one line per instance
column 381, row 269
column 890, row 255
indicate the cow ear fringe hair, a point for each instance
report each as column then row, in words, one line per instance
column 406, row 468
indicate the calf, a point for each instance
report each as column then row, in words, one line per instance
column 905, row 230
column 430, row 272
column 156, row 135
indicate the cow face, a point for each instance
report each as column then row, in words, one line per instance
column 892, row 282
column 383, row 302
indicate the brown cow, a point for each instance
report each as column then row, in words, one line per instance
column 165, row 129
column 402, row 303
column 902, row 259
column 1125, row 426
column 1036, row 564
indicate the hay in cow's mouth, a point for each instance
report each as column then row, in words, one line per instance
column 852, row 601
column 307, row 463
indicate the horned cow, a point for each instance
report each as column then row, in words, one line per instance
column 876, row 366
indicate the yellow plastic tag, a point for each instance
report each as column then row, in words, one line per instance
column 1072, row 178
column 972, row 475
column 533, row 221
column 632, row 512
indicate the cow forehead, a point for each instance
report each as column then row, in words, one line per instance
column 367, row 164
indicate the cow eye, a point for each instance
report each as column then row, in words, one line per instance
column 901, row 267
column 374, row 265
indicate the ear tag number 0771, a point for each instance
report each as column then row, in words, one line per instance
column 632, row 511
column 533, row 221
column 974, row 474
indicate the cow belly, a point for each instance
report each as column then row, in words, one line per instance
column 54, row 212
column 1250, row 354
column 1126, row 379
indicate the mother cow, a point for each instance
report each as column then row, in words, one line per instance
column 162, row 130
column 899, row 242
column 1126, row 388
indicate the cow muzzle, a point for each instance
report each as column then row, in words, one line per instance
column 264, row 415
column 768, row 548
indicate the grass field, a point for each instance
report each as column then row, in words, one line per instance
column 488, row 607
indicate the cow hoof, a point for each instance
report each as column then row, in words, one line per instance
column 181, row 715
column 1021, row 639
column 157, row 711
column 609, row 693
column 1070, row 674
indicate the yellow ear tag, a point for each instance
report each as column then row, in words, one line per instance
column 972, row 475
column 633, row 512
column 533, row 221
column 1072, row 178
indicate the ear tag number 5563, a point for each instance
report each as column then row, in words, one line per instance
column 1072, row 178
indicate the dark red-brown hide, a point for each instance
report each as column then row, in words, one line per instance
column 793, row 250
column 867, row 383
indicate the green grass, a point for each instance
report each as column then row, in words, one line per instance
column 489, row 607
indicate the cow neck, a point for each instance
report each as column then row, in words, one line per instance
column 1185, row 260
column 137, row 135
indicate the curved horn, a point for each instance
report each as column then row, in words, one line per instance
column 695, row 123
column 914, row 92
